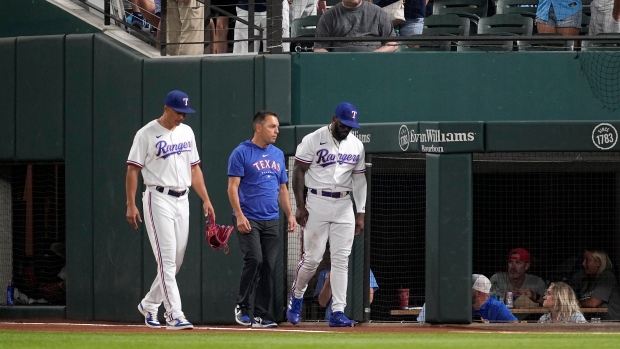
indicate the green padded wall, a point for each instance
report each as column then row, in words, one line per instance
column 117, row 115
column 449, row 230
column 39, row 102
column 159, row 78
column 276, row 85
column 230, row 105
column 7, row 98
column 464, row 86
column 79, row 175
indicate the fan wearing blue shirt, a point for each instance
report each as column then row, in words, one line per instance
column 489, row 309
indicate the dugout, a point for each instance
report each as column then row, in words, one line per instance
column 66, row 100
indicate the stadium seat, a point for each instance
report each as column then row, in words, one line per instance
column 499, row 25
column 440, row 25
column 522, row 7
column 506, row 24
column 304, row 27
column 474, row 9
column 448, row 24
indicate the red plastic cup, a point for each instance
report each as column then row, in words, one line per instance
column 403, row 298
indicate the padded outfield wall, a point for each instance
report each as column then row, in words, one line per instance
column 67, row 98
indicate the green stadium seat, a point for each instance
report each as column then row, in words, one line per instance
column 440, row 25
column 474, row 9
column 522, row 7
column 304, row 27
column 499, row 25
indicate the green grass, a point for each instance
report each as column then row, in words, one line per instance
column 292, row 340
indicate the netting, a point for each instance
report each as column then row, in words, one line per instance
column 397, row 242
column 553, row 205
column 600, row 63
column 32, row 221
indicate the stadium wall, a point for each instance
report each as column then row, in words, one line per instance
column 81, row 98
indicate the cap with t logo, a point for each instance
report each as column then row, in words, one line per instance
column 347, row 114
column 179, row 101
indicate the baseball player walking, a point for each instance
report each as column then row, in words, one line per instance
column 331, row 165
column 165, row 152
column 257, row 181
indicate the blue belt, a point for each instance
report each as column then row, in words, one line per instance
column 335, row 194
column 171, row 192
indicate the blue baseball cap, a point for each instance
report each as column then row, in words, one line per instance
column 347, row 114
column 179, row 101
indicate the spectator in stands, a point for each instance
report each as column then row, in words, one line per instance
column 517, row 281
column 144, row 10
column 323, row 290
column 218, row 26
column 185, row 24
column 415, row 11
column 355, row 18
column 149, row 10
column 562, row 304
column 489, row 309
column 602, row 19
column 559, row 17
column 596, row 285
column 260, row 21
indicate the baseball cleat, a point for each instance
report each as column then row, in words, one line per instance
column 241, row 316
column 150, row 319
column 293, row 313
column 338, row 319
column 263, row 322
column 180, row 323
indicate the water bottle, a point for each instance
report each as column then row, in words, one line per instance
column 9, row 296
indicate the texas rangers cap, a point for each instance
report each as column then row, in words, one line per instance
column 179, row 101
column 480, row 283
column 519, row 254
column 347, row 114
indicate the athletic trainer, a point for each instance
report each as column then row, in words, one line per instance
column 257, row 181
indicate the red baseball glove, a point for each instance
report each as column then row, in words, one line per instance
column 217, row 235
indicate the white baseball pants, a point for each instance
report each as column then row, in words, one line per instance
column 167, row 223
column 331, row 219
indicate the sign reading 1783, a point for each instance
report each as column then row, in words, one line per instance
column 604, row 136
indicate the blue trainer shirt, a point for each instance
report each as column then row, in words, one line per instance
column 262, row 171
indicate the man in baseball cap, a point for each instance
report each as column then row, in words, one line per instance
column 489, row 309
column 179, row 101
column 517, row 281
column 347, row 114
column 482, row 305
column 480, row 283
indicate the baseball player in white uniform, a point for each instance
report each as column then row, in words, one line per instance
column 330, row 164
column 165, row 152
